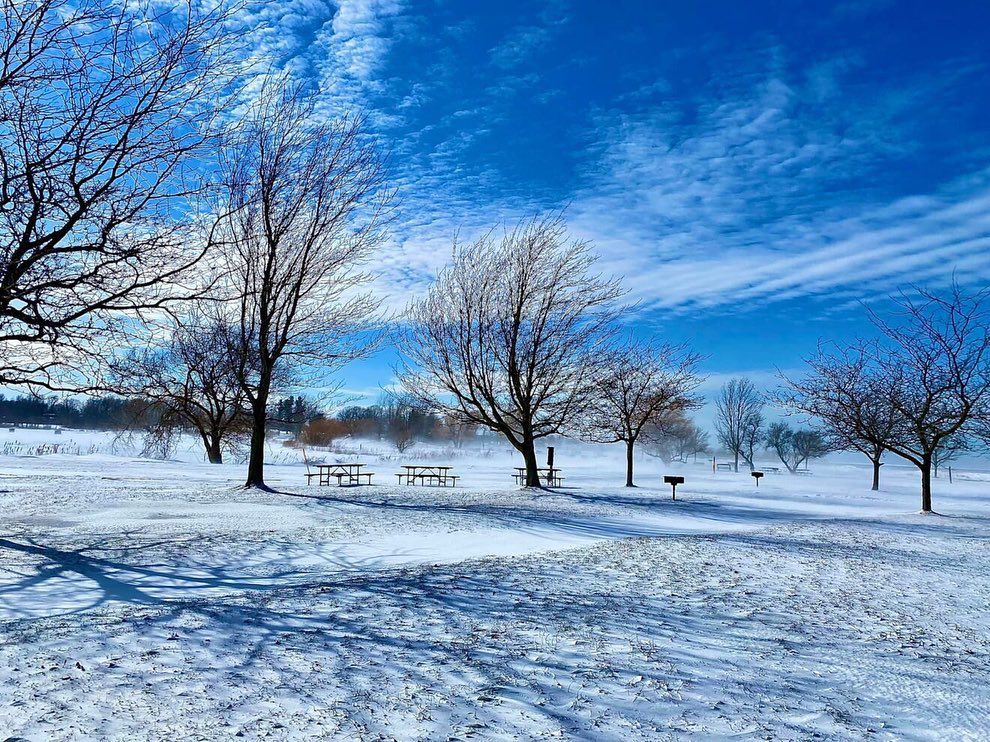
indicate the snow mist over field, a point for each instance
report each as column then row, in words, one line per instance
column 145, row 599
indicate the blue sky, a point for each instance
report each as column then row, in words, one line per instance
column 753, row 170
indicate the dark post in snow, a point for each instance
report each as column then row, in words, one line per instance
column 550, row 456
column 673, row 482
column 756, row 475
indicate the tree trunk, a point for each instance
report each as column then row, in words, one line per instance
column 926, row 485
column 876, row 474
column 737, row 462
column 256, row 458
column 629, row 463
column 528, row 450
column 213, row 452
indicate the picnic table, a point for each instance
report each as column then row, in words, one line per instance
column 551, row 475
column 430, row 475
column 345, row 474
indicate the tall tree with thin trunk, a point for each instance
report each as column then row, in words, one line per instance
column 739, row 419
column 104, row 109
column 304, row 202
column 642, row 384
column 512, row 335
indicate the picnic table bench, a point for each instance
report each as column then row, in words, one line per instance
column 345, row 474
column 723, row 467
column 550, row 475
column 431, row 476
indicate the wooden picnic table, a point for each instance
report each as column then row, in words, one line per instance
column 551, row 474
column 350, row 472
column 428, row 474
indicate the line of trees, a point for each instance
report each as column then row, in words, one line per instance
column 94, row 413
column 139, row 212
column 517, row 335
column 396, row 419
column 920, row 390
column 155, row 197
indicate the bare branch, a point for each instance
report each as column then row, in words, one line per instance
column 512, row 335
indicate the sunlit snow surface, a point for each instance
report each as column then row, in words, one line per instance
column 160, row 600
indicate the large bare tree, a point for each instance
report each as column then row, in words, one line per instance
column 512, row 335
column 739, row 419
column 104, row 108
column 933, row 362
column 304, row 204
column 641, row 385
column 846, row 395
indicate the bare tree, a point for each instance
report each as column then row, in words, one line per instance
column 676, row 438
column 934, row 364
column 795, row 447
column 641, row 385
column 512, row 334
column 104, row 108
column 193, row 380
column 458, row 431
column 304, row 204
column 752, row 437
column 844, row 392
column 739, row 419
column 406, row 420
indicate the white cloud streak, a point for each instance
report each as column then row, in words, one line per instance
column 760, row 188
column 757, row 200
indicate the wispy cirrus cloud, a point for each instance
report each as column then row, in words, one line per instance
column 514, row 50
column 777, row 178
column 524, row 40
column 774, row 192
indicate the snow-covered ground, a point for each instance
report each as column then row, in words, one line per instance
column 159, row 600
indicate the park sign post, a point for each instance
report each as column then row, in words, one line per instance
column 673, row 482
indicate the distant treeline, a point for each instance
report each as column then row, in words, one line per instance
column 95, row 413
column 396, row 421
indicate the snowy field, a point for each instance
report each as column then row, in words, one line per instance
column 159, row 600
